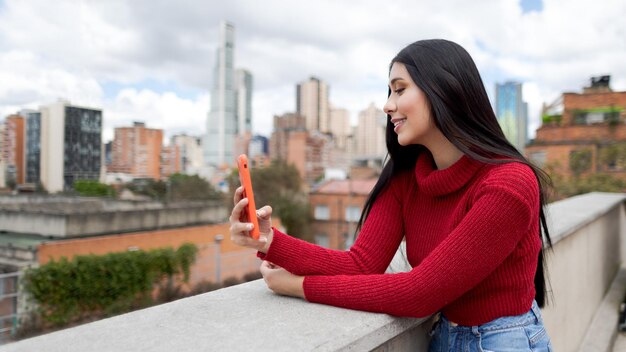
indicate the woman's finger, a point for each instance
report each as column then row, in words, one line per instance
column 238, row 195
column 235, row 215
column 240, row 228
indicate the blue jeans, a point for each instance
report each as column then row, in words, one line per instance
column 507, row 334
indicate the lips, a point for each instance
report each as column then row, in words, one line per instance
column 397, row 124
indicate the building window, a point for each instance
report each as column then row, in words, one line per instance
column 580, row 161
column 353, row 213
column 321, row 212
column 321, row 239
column 613, row 157
column 600, row 115
column 538, row 158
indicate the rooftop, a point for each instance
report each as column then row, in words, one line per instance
column 360, row 187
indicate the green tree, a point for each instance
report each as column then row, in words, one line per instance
column 564, row 187
column 280, row 186
column 186, row 187
column 93, row 188
column 155, row 189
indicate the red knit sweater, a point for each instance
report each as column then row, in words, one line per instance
column 471, row 236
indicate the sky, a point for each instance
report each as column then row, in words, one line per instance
column 152, row 60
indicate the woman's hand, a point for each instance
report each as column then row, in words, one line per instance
column 239, row 231
column 281, row 281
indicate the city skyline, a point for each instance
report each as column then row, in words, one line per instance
column 152, row 62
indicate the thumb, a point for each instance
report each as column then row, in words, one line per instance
column 265, row 212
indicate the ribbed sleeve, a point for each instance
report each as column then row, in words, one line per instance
column 372, row 251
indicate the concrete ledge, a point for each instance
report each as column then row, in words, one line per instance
column 568, row 215
column 246, row 317
column 603, row 329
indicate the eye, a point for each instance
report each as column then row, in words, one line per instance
column 399, row 91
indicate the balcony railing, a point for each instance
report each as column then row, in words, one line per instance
column 589, row 234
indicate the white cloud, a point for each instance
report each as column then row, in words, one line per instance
column 166, row 111
column 68, row 49
column 31, row 82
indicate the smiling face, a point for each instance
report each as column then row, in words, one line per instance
column 409, row 109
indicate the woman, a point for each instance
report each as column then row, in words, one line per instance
column 467, row 202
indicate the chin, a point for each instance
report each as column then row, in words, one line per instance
column 403, row 142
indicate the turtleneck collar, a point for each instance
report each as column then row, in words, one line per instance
column 441, row 182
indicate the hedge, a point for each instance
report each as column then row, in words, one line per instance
column 67, row 290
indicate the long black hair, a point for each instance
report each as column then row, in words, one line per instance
column 460, row 108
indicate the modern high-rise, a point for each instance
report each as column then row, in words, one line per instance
column 512, row 113
column 370, row 134
column 137, row 151
column 13, row 148
column 243, row 93
column 312, row 103
column 71, row 145
column 221, row 127
column 33, row 146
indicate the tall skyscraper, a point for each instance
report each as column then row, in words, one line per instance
column 230, row 115
column 243, row 92
column 221, row 124
column 512, row 113
column 370, row 133
column 137, row 151
column 71, row 145
column 312, row 103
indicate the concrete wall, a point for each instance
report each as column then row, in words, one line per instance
column 589, row 233
column 33, row 223
column 76, row 223
column 108, row 222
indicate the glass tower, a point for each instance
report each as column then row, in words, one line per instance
column 512, row 113
column 221, row 124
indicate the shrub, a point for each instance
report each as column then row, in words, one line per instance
column 67, row 290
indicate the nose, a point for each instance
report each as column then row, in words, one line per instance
column 390, row 106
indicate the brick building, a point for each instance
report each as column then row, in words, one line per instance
column 137, row 151
column 337, row 206
column 13, row 148
column 171, row 161
column 583, row 133
column 307, row 150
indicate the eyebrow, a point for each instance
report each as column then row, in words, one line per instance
column 394, row 80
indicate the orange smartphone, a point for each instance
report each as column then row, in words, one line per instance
column 246, row 182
